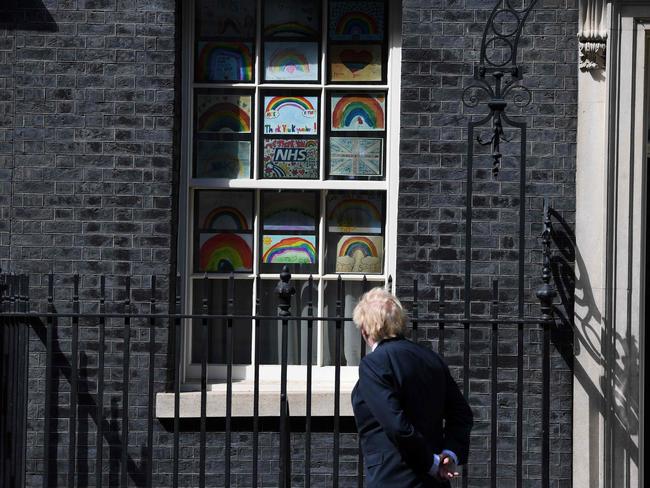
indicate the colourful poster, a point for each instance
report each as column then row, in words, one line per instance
column 291, row 115
column 355, row 156
column 288, row 249
column 224, row 61
column 359, row 254
column 223, row 113
column 356, row 62
column 356, row 21
column 289, row 211
column 291, row 158
column 223, row 159
column 354, row 213
column 358, row 112
column 291, row 61
column 227, row 18
column 292, row 18
column 226, row 252
column 225, row 210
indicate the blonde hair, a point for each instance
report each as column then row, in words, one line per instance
column 380, row 314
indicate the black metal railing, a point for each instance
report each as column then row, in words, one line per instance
column 150, row 327
column 13, row 379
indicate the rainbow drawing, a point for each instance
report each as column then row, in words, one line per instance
column 356, row 21
column 290, row 29
column 228, row 113
column 225, row 218
column 289, row 211
column 358, row 112
column 359, row 254
column 277, row 104
column 223, row 253
column 353, row 214
column 356, row 24
column 287, row 249
column 290, row 115
column 292, row 18
column 224, row 61
column 291, row 61
column 351, row 245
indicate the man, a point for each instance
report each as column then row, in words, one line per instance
column 413, row 421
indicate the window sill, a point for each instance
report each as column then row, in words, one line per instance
column 322, row 404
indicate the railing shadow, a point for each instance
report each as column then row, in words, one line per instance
column 575, row 289
column 30, row 15
column 111, row 426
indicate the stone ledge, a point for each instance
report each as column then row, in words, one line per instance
column 269, row 401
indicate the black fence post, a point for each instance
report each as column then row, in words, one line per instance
column 285, row 290
column 99, row 441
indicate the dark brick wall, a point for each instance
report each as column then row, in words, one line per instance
column 87, row 113
column 441, row 43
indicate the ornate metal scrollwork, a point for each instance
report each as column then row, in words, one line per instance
column 497, row 75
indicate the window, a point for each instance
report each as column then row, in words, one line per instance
column 291, row 116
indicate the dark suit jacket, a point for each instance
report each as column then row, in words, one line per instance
column 407, row 407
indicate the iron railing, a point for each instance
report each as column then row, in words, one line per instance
column 62, row 353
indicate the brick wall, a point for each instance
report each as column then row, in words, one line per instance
column 441, row 44
column 87, row 113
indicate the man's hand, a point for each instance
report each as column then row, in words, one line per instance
column 447, row 468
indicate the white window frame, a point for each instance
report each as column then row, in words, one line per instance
column 188, row 184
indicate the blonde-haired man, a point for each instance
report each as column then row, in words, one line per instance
column 413, row 421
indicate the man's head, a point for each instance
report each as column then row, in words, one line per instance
column 379, row 315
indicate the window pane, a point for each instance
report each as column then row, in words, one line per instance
column 297, row 19
column 271, row 338
column 225, row 45
column 226, row 18
column 289, row 231
column 223, row 137
column 351, row 340
column 290, row 148
column 357, row 47
column 355, row 243
column 357, row 124
column 224, row 231
column 216, row 292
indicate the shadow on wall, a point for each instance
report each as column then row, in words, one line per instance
column 618, row 355
column 30, row 15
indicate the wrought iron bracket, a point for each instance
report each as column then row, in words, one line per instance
column 498, row 74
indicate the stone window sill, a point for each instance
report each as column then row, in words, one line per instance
column 322, row 404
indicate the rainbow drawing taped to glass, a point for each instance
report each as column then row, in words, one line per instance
column 356, row 21
column 289, row 211
column 359, row 254
column 291, row 61
column 350, row 214
column 358, row 112
column 226, row 252
column 224, row 61
column 287, row 249
column 291, row 115
column 225, row 218
column 224, row 113
column 292, row 18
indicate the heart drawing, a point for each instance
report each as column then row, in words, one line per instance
column 355, row 60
